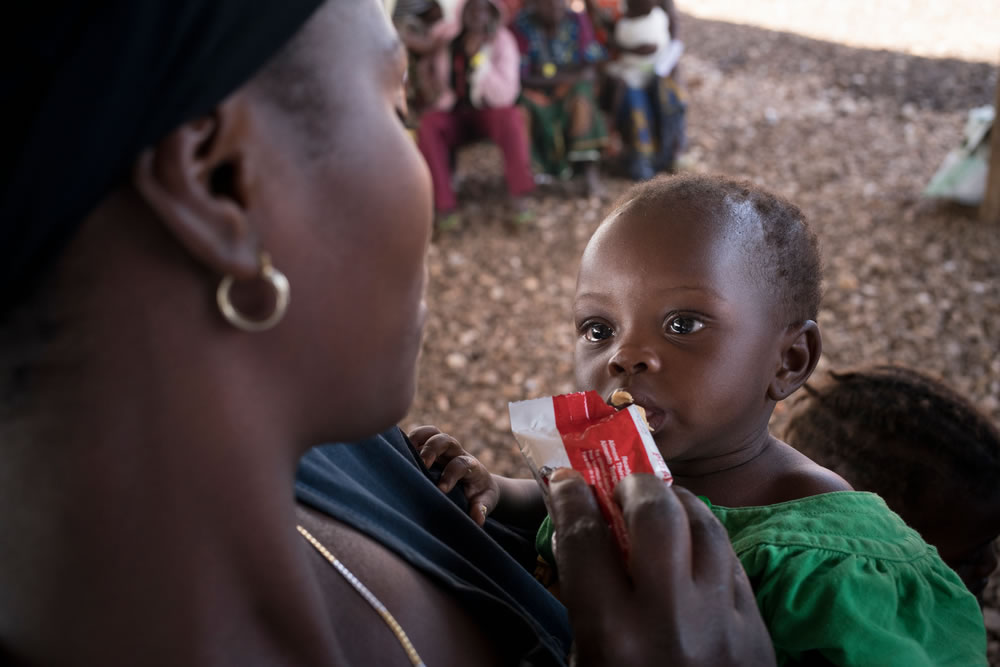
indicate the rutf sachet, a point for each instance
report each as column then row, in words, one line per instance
column 581, row 431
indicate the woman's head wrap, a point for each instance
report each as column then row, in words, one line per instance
column 87, row 85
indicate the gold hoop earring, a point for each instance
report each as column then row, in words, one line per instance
column 278, row 282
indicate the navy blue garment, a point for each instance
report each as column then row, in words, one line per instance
column 86, row 85
column 381, row 488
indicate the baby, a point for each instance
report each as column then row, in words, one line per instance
column 927, row 451
column 698, row 295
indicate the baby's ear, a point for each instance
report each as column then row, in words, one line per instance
column 801, row 345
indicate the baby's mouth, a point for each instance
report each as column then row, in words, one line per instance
column 621, row 398
column 654, row 417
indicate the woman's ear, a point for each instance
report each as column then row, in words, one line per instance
column 196, row 182
column 801, row 345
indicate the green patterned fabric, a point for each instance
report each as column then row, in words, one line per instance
column 840, row 576
column 564, row 127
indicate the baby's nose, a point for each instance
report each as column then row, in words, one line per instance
column 631, row 359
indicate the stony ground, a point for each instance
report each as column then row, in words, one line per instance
column 850, row 134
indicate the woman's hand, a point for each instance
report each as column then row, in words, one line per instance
column 481, row 489
column 683, row 599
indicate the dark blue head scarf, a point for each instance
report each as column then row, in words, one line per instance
column 86, row 85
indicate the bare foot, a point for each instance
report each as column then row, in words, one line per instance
column 447, row 221
column 521, row 211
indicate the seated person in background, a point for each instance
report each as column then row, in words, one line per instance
column 558, row 51
column 475, row 84
column 422, row 26
column 426, row 28
column 511, row 8
column 603, row 14
column 641, row 35
column 647, row 104
column 418, row 22
column 927, row 451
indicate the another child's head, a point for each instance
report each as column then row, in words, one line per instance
column 428, row 11
column 550, row 12
column 927, row 451
column 699, row 295
column 481, row 16
column 432, row 14
column 641, row 7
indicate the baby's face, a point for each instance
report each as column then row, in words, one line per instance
column 664, row 308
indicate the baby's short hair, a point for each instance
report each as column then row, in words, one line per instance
column 898, row 433
column 786, row 257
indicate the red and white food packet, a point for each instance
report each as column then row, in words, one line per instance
column 582, row 432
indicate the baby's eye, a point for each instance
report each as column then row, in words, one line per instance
column 596, row 331
column 684, row 325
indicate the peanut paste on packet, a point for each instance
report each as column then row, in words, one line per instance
column 582, row 432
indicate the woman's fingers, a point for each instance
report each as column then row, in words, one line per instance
column 657, row 525
column 725, row 589
column 714, row 561
column 592, row 577
column 712, row 554
column 713, row 557
column 687, row 600
column 692, row 544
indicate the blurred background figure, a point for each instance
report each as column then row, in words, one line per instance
column 472, row 89
column 927, row 451
column 558, row 54
column 646, row 100
column 603, row 14
column 420, row 24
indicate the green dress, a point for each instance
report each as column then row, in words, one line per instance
column 840, row 575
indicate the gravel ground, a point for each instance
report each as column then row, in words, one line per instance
column 850, row 134
column 966, row 29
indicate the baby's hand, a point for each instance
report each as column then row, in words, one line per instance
column 481, row 489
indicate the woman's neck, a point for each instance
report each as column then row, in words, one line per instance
column 148, row 509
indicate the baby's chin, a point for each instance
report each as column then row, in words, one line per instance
column 669, row 447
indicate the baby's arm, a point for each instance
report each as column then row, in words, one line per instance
column 521, row 503
column 512, row 501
